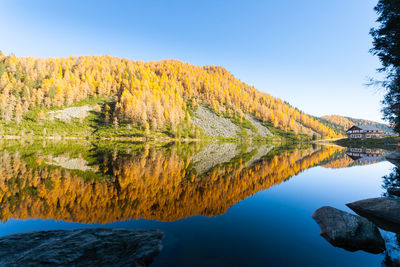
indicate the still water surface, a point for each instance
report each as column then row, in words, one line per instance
column 218, row 204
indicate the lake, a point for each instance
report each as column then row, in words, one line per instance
column 219, row 204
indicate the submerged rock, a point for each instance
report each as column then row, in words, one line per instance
column 348, row 231
column 83, row 247
column 384, row 212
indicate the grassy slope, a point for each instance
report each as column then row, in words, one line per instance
column 94, row 126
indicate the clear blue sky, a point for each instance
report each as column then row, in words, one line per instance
column 311, row 53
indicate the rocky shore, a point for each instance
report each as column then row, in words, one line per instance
column 375, row 217
column 81, row 247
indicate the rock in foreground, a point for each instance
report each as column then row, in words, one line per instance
column 83, row 247
column 384, row 212
column 348, row 231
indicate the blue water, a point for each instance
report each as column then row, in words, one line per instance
column 273, row 227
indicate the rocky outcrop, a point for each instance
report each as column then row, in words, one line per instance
column 348, row 231
column 82, row 247
column 261, row 129
column 72, row 113
column 384, row 212
column 213, row 125
column 218, row 127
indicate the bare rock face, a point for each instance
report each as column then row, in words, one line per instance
column 72, row 113
column 82, row 247
column 348, row 231
column 213, row 125
column 383, row 211
column 261, row 129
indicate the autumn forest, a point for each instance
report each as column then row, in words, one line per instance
column 151, row 96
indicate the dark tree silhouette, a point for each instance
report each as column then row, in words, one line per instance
column 392, row 180
column 386, row 42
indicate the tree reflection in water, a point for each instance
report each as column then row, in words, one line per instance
column 108, row 182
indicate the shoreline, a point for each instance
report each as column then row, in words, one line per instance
column 145, row 139
column 390, row 142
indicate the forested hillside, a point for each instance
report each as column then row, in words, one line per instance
column 341, row 123
column 150, row 95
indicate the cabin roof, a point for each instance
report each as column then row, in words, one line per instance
column 368, row 127
column 365, row 128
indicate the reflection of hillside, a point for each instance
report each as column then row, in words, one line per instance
column 153, row 184
column 341, row 162
column 214, row 154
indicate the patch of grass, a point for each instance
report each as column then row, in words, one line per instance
column 191, row 107
column 242, row 133
column 186, row 129
column 390, row 142
column 103, row 130
column 91, row 101
column 243, row 124
column 33, row 125
column 287, row 136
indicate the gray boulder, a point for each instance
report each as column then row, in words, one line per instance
column 348, row 231
column 383, row 211
column 82, row 247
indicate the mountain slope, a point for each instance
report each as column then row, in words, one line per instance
column 151, row 95
column 341, row 123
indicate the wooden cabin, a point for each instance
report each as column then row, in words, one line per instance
column 364, row 131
